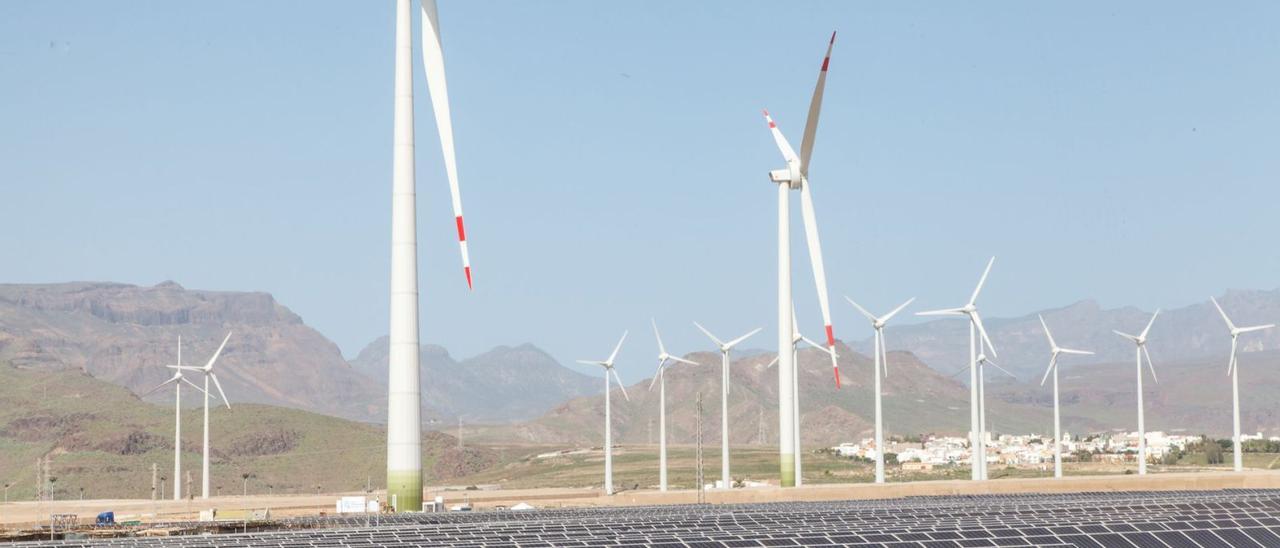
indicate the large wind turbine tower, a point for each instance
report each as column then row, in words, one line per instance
column 795, row 177
column 404, row 400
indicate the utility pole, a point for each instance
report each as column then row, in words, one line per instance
column 459, row 432
column 153, row 482
column 701, row 481
column 48, row 492
column 39, row 481
column 189, row 492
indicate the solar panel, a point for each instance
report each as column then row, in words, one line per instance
column 1236, row 517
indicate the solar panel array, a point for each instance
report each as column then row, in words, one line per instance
column 1175, row 519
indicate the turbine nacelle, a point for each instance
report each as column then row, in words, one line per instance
column 790, row 176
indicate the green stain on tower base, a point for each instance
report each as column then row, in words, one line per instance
column 788, row 471
column 406, row 487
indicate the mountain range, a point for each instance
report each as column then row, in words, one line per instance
column 505, row 384
column 124, row 334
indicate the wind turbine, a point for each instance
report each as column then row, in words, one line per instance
column 983, row 362
column 976, row 331
column 795, row 176
column 207, row 370
column 404, row 398
column 1233, row 369
column 725, row 479
column 880, row 369
column 176, row 380
column 661, row 378
column 1140, row 344
column 1053, row 368
column 608, row 430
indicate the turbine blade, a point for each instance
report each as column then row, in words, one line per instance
column 209, row 365
column 708, row 334
column 193, row 385
column 614, row 355
column 1230, row 325
column 788, row 153
column 218, row 385
column 815, row 108
column 1053, row 361
column 1076, row 352
column 661, row 349
column 819, row 271
column 619, row 381
column 657, row 374
column 1148, row 329
column 958, row 372
column 1150, row 365
column 1255, row 328
column 735, row 342
column 1052, row 344
column 1231, row 362
column 983, row 280
column 942, row 312
column 1126, row 335
column 977, row 320
column 173, row 379
column 433, row 63
column 895, row 311
column 590, row 362
column 682, row 360
column 860, row 309
column 1003, row 370
column 772, row 362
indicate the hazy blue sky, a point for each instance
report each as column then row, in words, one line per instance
column 613, row 158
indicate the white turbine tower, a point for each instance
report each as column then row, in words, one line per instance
column 879, row 369
column 1140, row 345
column 725, row 478
column 661, row 379
column 1233, row 367
column 796, row 339
column 1053, row 368
column 404, row 398
column 795, row 176
column 976, row 330
column 608, row 427
column 177, row 380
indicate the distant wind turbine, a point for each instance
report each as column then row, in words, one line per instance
column 207, row 370
column 1053, row 368
column 880, row 369
column 725, row 347
column 177, row 380
column 608, row 427
column 1140, row 350
column 661, row 378
column 976, row 331
column 1233, row 369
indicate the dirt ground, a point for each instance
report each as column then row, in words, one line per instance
column 15, row 514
